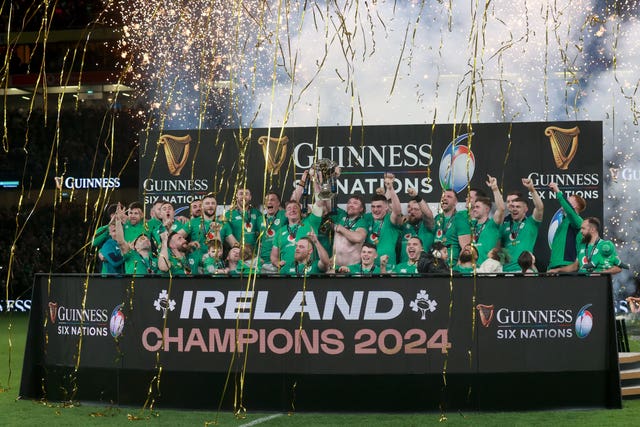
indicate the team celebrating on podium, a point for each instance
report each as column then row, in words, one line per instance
column 322, row 238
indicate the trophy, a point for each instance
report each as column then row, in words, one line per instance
column 325, row 172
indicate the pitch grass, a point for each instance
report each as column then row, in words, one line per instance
column 14, row 412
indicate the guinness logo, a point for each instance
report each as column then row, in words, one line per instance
column 612, row 171
column 274, row 151
column 564, row 144
column 486, row 314
column 176, row 151
column 53, row 311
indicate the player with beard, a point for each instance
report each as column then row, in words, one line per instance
column 468, row 260
column 176, row 255
column 385, row 225
column 285, row 241
column 134, row 225
column 414, row 250
column 154, row 222
column 137, row 255
column 303, row 263
column 417, row 223
column 450, row 226
column 349, row 232
column 594, row 254
column 485, row 231
column 273, row 219
column 244, row 219
column 207, row 227
column 567, row 236
column 170, row 224
column 521, row 232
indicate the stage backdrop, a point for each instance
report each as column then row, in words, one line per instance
column 347, row 343
column 178, row 165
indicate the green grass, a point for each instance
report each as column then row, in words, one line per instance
column 15, row 412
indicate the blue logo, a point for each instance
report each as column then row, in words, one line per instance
column 457, row 165
column 584, row 322
column 556, row 220
column 116, row 324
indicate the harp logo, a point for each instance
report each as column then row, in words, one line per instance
column 176, row 151
column 457, row 164
column 564, row 144
column 486, row 314
column 274, row 151
column 53, row 311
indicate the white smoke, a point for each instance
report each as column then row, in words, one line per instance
column 415, row 62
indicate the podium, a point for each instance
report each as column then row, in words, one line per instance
column 325, row 343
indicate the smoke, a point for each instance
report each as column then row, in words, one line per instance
column 417, row 62
column 422, row 62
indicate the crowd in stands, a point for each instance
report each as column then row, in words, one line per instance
column 81, row 140
column 35, row 245
column 63, row 14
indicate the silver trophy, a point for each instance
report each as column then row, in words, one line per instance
column 326, row 172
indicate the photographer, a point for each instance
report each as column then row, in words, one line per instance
column 435, row 260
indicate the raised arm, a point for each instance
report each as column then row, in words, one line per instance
column 324, row 261
column 427, row 213
column 163, row 257
column 300, row 186
column 572, row 215
column 498, row 215
column 392, row 196
column 538, row 206
column 119, row 233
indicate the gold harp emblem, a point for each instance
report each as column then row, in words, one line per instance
column 275, row 151
column 53, row 311
column 486, row 314
column 176, row 151
column 564, row 144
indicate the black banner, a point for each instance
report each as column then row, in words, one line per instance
column 423, row 157
column 363, row 325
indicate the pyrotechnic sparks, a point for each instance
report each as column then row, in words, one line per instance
column 210, row 63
